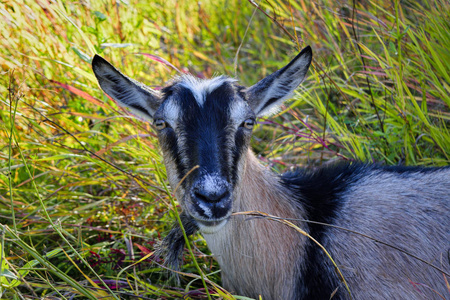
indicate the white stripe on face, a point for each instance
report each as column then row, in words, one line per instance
column 238, row 111
column 202, row 87
column 171, row 112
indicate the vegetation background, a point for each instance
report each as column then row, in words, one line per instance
column 83, row 190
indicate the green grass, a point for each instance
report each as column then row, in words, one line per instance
column 83, row 190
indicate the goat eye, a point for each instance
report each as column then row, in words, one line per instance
column 160, row 124
column 249, row 124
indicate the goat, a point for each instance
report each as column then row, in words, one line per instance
column 208, row 123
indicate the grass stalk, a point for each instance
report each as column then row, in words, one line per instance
column 12, row 121
column 49, row 219
column 43, row 261
column 186, row 238
column 378, row 91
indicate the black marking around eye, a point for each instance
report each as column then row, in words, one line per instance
column 170, row 144
column 240, row 144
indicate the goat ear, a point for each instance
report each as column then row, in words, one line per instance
column 268, row 94
column 127, row 92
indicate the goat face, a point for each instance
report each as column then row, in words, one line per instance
column 204, row 128
column 204, row 125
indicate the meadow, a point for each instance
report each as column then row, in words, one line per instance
column 84, row 197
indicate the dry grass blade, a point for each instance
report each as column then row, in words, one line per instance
column 295, row 227
column 65, row 160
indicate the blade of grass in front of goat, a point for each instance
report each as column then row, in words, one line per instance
column 219, row 289
column 292, row 225
column 186, row 239
column 257, row 213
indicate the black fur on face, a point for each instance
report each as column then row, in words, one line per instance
column 205, row 137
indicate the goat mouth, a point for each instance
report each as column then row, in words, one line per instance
column 211, row 226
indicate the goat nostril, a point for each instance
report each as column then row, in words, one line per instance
column 211, row 197
column 201, row 197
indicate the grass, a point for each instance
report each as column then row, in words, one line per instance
column 83, row 192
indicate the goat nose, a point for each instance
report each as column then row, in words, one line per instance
column 211, row 194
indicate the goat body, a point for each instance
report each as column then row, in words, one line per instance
column 407, row 208
column 387, row 228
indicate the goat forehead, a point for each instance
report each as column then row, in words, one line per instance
column 201, row 88
column 216, row 101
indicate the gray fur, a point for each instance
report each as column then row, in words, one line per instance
column 411, row 212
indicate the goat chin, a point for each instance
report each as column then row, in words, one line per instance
column 211, row 227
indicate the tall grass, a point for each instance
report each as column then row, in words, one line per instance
column 83, row 194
